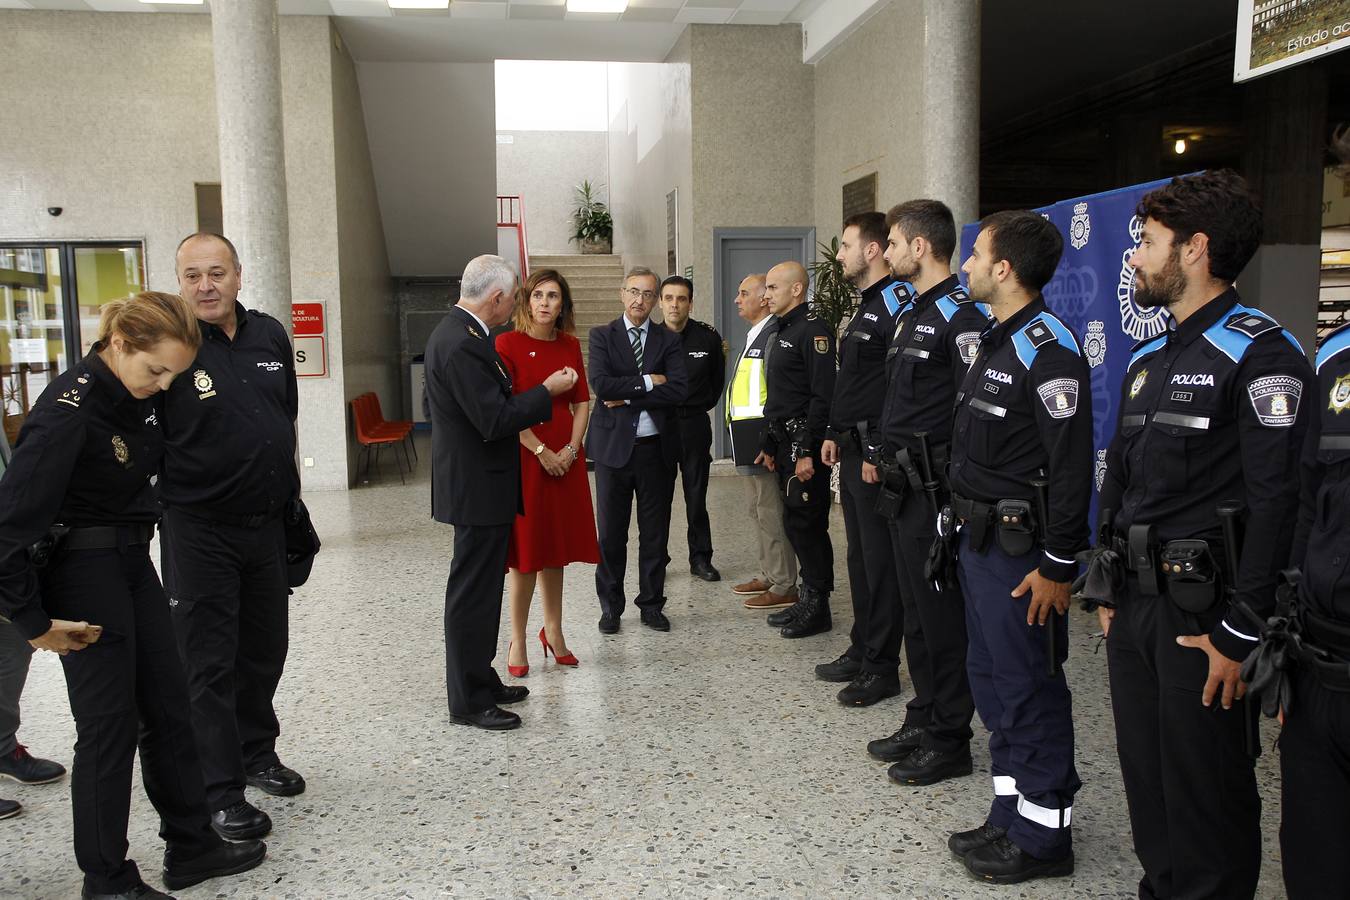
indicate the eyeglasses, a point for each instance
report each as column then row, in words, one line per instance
column 635, row 293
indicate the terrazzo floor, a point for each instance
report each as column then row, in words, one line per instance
column 706, row 762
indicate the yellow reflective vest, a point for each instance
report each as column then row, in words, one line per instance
column 750, row 385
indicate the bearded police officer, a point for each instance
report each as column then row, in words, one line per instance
column 1211, row 416
column 705, row 365
column 933, row 346
column 801, row 383
column 1021, row 479
column 1315, row 740
column 871, row 662
column 229, row 472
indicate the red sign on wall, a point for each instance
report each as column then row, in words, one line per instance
column 307, row 319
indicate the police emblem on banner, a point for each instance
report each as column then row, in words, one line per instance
column 1137, row 322
column 1138, row 384
column 1099, row 470
column 1275, row 399
column 203, row 383
column 1340, row 394
column 968, row 345
column 1060, row 397
column 1080, row 226
column 1094, row 344
column 120, row 449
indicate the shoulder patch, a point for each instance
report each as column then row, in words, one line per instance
column 822, row 343
column 1336, row 344
column 1232, row 336
column 952, row 302
column 1147, row 348
column 1040, row 331
column 1250, row 323
column 897, row 295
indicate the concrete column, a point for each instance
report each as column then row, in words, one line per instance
column 951, row 120
column 252, row 152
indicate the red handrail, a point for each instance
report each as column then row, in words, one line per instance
column 511, row 214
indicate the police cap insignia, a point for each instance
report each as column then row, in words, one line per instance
column 822, row 344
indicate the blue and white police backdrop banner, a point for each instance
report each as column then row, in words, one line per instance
column 1093, row 292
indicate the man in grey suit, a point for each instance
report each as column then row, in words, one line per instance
column 475, row 481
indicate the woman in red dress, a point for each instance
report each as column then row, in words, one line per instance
column 558, row 526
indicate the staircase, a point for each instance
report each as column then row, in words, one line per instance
column 595, row 281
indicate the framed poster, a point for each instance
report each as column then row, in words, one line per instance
column 1277, row 34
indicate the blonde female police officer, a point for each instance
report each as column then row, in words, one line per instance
column 79, row 489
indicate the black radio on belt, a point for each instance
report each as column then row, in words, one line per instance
column 1015, row 526
column 1192, row 579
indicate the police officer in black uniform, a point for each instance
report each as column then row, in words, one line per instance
column 229, row 473
column 1315, row 740
column 76, row 517
column 705, row 365
column 1210, row 413
column 797, row 412
column 934, row 343
column 871, row 662
column 1021, row 480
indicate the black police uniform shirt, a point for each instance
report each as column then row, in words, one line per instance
column 83, row 458
column 1211, row 411
column 800, row 379
column 1025, row 411
column 936, row 337
column 860, row 385
column 229, row 422
column 1322, row 541
column 705, row 365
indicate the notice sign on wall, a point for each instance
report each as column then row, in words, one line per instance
column 309, row 324
column 1276, row 34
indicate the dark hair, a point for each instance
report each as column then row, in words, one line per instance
column 1219, row 205
column 234, row 254
column 566, row 321
column 871, row 228
column 927, row 219
column 1030, row 243
column 678, row 281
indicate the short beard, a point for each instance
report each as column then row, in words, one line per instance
column 1162, row 289
column 856, row 276
column 905, row 274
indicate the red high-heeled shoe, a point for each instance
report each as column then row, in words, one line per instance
column 516, row 671
column 568, row 660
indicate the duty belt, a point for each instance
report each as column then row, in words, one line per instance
column 235, row 519
column 107, row 537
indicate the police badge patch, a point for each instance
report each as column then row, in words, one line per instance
column 203, row 383
column 1340, row 394
column 968, row 345
column 822, row 344
column 1138, row 384
column 1060, row 397
column 1275, row 399
column 120, row 450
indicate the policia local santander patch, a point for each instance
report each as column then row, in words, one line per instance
column 1060, row 397
column 1275, row 399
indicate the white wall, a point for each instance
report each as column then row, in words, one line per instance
column 431, row 128
column 544, row 168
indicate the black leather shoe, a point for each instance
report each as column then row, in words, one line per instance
column 227, row 859
column 786, row 616
column 963, row 842
column 10, row 808
column 812, row 618
column 869, row 688
column 897, row 746
column 704, row 569
column 25, row 768
column 609, row 624
column 509, row 693
column 492, row 719
column 1003, row 862
column 140, row 891
column 845, row 668
column 929, row 766
column 277, row 780
column 240, row 822
column 655, row 620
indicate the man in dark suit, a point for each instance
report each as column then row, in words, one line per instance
column 637, row 371
column 475, row 481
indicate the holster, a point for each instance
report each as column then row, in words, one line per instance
column 47, row 547
column 976, row 518
column 1142, row 543
column 940, row 567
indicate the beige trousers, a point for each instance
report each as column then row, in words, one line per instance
column 777, row 562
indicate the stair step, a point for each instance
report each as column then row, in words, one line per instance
column 557, row 261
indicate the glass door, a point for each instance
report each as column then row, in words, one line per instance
column 103, row 273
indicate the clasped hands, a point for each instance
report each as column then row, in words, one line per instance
column 65, row 636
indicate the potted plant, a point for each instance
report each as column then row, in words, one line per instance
column 594, row 224
column 834, row 297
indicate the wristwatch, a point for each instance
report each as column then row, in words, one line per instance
column 539, row 450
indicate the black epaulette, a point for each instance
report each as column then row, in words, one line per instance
column 705, row 325
column 1039, row 334
column 82, row 388
column 1253, row 325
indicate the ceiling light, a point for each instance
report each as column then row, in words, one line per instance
column 597, row 6
column 419, row 4
column 1180, row 146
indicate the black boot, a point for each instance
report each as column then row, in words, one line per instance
column 812, row 618
column 786, row 616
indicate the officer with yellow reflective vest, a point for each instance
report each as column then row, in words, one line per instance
column 775, row 584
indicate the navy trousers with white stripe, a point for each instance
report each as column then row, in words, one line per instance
column 1028, row 712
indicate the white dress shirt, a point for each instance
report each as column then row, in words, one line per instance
column 645, row 426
